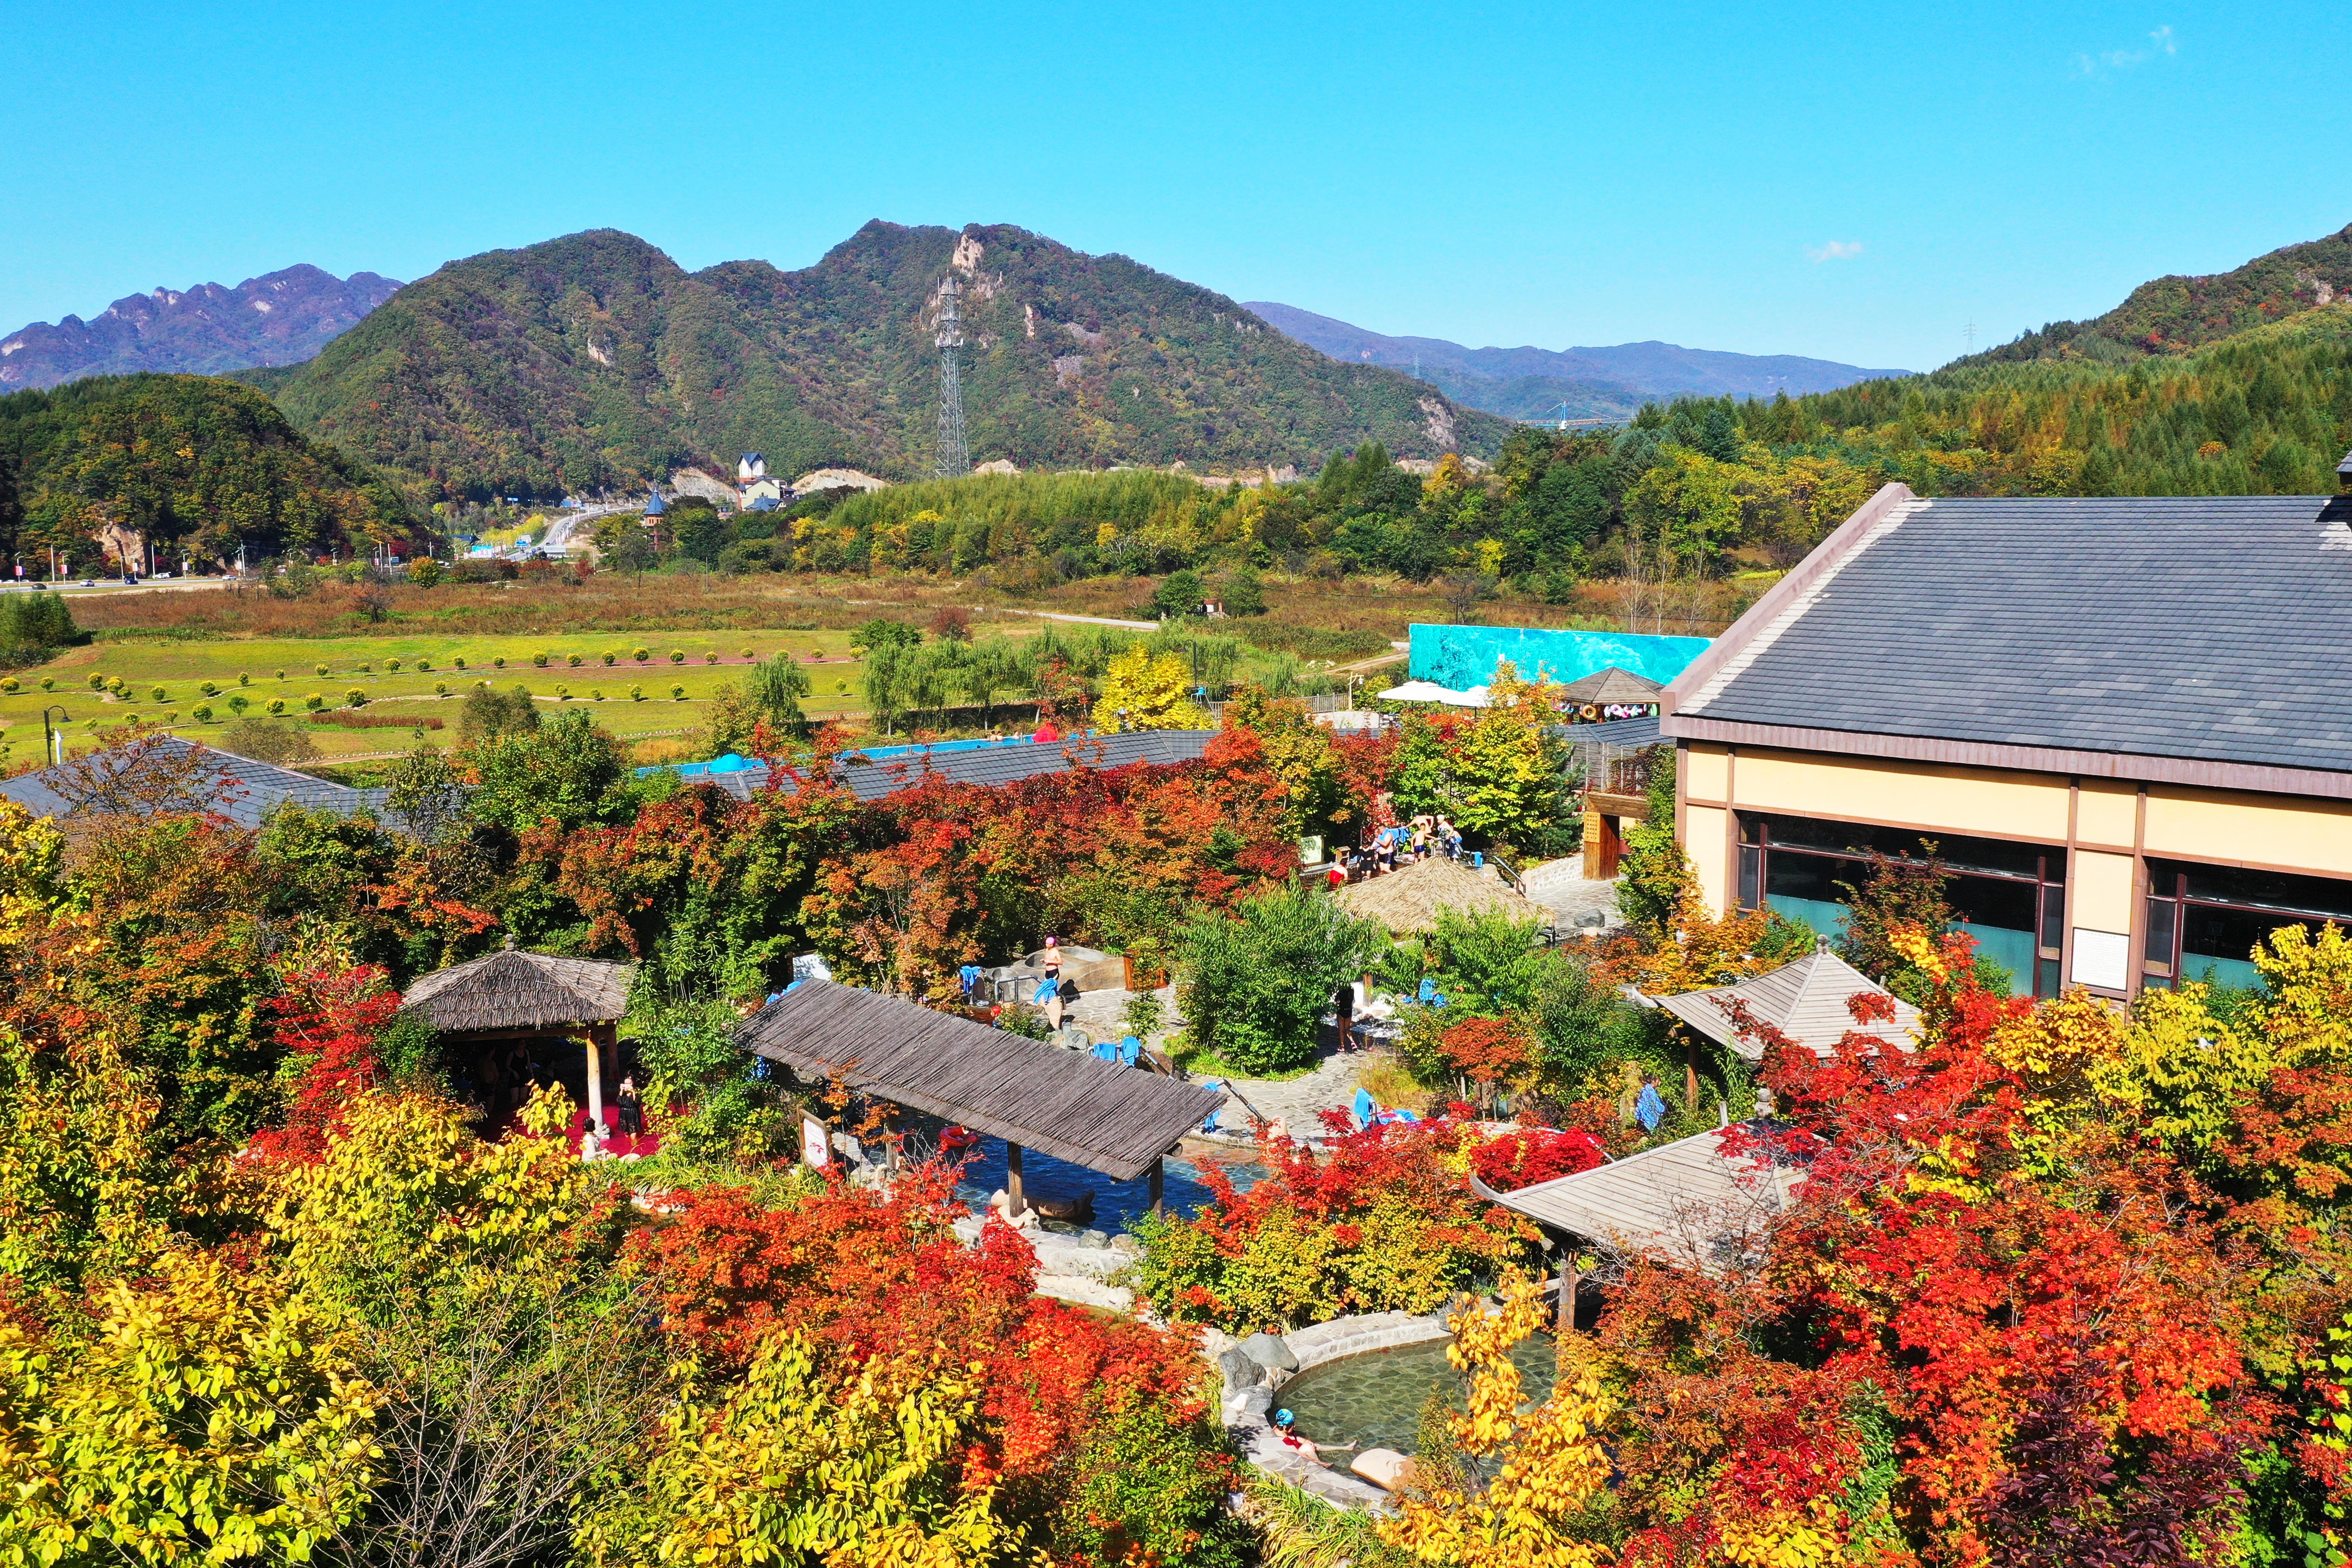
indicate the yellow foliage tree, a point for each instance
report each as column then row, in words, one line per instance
column 214, row 1415
column 1140, row 692
column 407, row 1195
column 851, row 1465
column 1552, row 1462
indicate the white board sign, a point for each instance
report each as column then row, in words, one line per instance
column 2102, row 958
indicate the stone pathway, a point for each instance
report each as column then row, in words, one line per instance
column 1576, row 901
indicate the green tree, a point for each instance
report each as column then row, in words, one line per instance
column 1245, row 594
column 487, row 714
column 1256, row 983
column 563, row 772
column 1180, row 594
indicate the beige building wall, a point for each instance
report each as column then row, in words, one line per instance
column 2110, row 827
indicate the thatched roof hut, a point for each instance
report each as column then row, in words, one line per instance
column 1407, row 900
column 1106, row 1117
column 516, row 993
column 1808, row 1001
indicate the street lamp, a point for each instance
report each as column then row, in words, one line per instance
column 53, row 741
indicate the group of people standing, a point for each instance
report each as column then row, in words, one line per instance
column 1387, row 848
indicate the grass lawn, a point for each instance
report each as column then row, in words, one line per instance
column 286, row 670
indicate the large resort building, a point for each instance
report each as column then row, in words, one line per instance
column 2124, row 724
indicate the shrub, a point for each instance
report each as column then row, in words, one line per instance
column 238, row 704
column 243, row 678
column 609, row 659
column 277, row 705
column 318, row 669
column 598, row 696
column 201, row 713
column 155, row 694
column 440, row 689
column 499, row 662
column 424, row 573
column 281, row 675
column 749, row 656
column 539, row 659
column 637, row 694
column 207, row 689
column 573, row 659
column 269, row 742
column 640, row 655
column 457, row 663
column 425, row 664
column 7, row 683
column 675, row 656
column 355, row 697
column 315, row 700
column 563, row 693
column 97, row 682
column 391, row 664
column 710, row 659
column 678, row 692
column 48, row 683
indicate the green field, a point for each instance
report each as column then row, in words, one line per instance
column 286, row 670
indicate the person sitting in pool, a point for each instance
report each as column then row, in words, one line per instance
column 1286, row 1424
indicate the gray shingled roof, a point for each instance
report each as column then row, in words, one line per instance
column 1807, row 1001
column 251, row 790
column 1686, row 1203
column 1002, row 765
column 1112, row 1118
column 2211, row 628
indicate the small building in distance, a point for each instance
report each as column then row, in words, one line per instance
column 756, row 489
column 2124, row 723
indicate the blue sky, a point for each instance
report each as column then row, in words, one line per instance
column 1852, row 182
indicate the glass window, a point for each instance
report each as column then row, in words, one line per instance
column 1961, row 853
column 1751, row 865
column 2163, row 915
column 2281, row 890
column 2053, row 915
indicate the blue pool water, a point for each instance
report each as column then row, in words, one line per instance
column 1116, row 1202
column 731, row 763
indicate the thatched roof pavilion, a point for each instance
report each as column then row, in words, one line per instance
column 1106, row 1117
column 513, row 995
column 1808, row 1001
column 1407, row 900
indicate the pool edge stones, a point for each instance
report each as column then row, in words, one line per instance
column 1270, row 1352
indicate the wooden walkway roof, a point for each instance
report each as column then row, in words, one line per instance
column 1686, row 1203
column 1105, row 1117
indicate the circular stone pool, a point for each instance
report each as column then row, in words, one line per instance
column 1374, row 1401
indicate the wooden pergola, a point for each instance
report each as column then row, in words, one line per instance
column 515, row 995
column 1106, row 1117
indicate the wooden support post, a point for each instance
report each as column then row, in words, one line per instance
column 595, row 1085
column 1568, row 1281
column 1158, row 1174
column 1690, row 1074
column 1015, row 1204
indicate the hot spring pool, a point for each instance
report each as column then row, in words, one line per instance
column 1374, row 1401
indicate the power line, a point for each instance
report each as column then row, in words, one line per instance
column 955, row 451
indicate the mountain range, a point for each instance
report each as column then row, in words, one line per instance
column 282, row 318
column 1577, row 383
column 596, row 361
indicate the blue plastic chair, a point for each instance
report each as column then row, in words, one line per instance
column 1130, row 1050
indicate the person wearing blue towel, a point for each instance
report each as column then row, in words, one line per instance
column 1650, row 1108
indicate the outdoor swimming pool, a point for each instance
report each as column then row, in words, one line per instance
column 1116, row 1202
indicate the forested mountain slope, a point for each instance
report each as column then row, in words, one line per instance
column 2175, row 314
column 194, row 464
column 595, row 360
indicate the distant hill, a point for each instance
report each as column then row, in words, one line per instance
column 280, row 319
column 1594, row 383
column 194, row 464
column 596, row 361
column 2175, row 314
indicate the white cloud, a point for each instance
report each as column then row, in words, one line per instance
column 1835, row 250
column 2160, row 42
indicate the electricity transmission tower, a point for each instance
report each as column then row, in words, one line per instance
column 955, row 452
